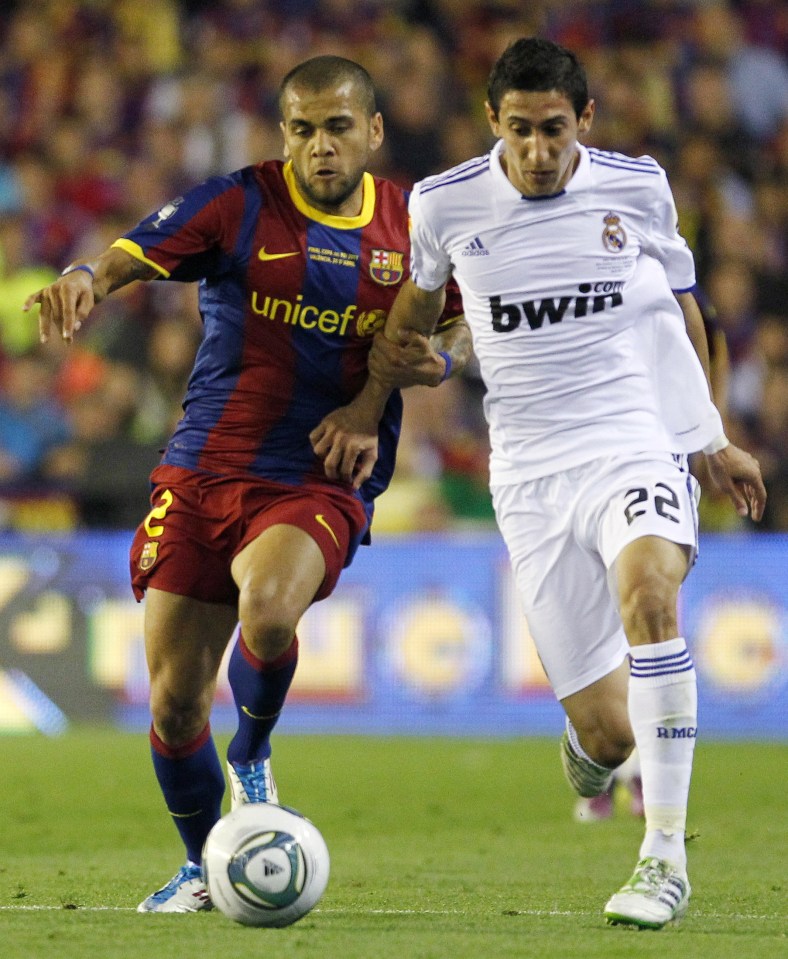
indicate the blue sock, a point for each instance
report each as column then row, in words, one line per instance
column 259, row 690
column 192, row 781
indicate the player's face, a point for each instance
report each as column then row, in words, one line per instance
column 329, row 136
column 540, row 132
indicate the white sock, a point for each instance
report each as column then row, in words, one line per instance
column 663, row 710
column 630, row 768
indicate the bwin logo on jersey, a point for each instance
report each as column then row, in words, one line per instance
column 508, row 316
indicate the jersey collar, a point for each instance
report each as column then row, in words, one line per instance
column 328, row 219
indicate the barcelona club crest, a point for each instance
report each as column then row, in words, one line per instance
column 385, row 266
column 150, row 552
column 614, row 236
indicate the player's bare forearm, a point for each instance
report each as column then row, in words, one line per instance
column 456, row 341
column 116, row 268
column 347, row 439
column 416, row 360
column 414, row 309
column 68, row 301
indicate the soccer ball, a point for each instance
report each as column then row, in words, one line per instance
column 265, row 865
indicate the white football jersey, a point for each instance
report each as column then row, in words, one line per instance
column 555, row 290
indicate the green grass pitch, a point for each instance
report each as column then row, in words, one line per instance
column 441, row 849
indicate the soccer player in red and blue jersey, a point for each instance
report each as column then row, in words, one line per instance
column 298, row 265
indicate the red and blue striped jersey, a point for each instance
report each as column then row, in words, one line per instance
column 290, row 298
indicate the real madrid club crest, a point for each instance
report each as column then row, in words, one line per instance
column 385, row 267
column 614, row 236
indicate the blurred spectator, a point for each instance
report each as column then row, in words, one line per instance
column 19, row 277
column 109, row 108
column 757, row 76
column 99, row 465
column 32, row 421
column 170, row 356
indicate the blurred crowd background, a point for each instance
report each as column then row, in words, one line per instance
column 108, row 108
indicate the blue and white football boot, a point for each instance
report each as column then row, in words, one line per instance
column 252, row 782
column 185, row 892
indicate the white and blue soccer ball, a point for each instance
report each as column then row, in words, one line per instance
column 265, row 865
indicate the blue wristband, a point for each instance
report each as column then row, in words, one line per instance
column 447, row 371
column 79, row 266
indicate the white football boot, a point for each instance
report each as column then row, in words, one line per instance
column 252, row 782
column 657, row 893
column 185, row 892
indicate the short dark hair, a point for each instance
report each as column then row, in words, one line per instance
column 326, row 71
column 532, row 63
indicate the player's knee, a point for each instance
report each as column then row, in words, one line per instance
column 609, row 746
column 267, row 624
column 178, row 720
column 267, row 638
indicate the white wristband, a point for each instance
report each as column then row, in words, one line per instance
column 716, row 445
column 79, row 266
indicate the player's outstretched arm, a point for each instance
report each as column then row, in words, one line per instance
column 67, row 302
column 347, row 439
column 738, row 474
column 417, row 360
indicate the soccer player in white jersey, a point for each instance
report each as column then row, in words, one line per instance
column 551, row 244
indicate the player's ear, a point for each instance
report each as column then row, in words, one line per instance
column 492, row 118
column 375, row 131
column 286, row 148
column 586, row 118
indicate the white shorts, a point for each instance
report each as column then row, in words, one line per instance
column 564, row 532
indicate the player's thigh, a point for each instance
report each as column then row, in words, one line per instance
column 185, row 640
column 294, row 549
column 562, row 586
column 278, row 575
column 648, row 537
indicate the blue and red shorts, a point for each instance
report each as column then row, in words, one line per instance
column 199, row 522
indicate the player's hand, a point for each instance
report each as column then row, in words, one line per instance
column 738, row 474
column 64, row 304
column 409, row 362
column 347, row 442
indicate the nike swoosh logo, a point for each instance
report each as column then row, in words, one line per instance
column 274, row 256
column 251, row 715
column 322, row 520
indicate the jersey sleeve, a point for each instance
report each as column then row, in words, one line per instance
column 192, row 236
column 687, row 409
column 665, row 243
column 430, row 265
